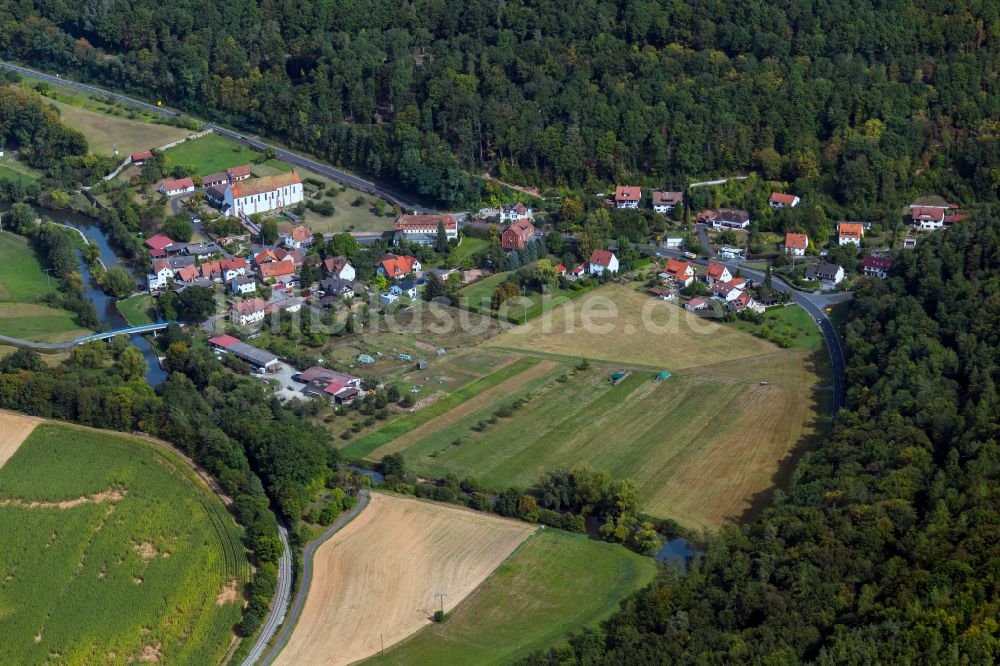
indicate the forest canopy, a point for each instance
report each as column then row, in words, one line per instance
column 866, row 101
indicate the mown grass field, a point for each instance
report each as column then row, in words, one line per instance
column 113, row 552
column 13, row 169
column 23, row 284
column 209, row 154
column 137, row 309
column 111, row 125
column 556, row 583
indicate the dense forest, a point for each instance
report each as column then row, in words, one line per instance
column 867, row 101
column 884, row 547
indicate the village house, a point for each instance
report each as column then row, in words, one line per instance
column 665, row 202
column 215, row 179
column 627, row 196
column 258, row 358
column 158, row 245
column 717, row 273
column 578, row 272
column 238, row 173
column 601, row 261
column 560, row 269
column 873, row 266
column 298, row 238
column 264, row 256
column 339, row 267
column 140, row 158
column 161, row 275
column 175, row 187
column 260, row 195
column 248, row 312
column 388, row 298
column 243, row 285
column 277, row 271
column 850, row 232
column 408, row 288
column 516, row 212
column 681, row 272
column 781, row 200
column 337, row 287
column 517, row 235
column 201, row 250
column 825, row 273
column 395, row 266
column 726, row 218
column 729, row 290
column 186, row 274
column 796, row 244
column 927, row 217
column 744, row 302
column 696, row 303
column 423, row 229
column 224, row 270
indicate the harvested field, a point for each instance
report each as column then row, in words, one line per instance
column 14, row 429
column 105, row 130
column 629, row 327
column 376, row 579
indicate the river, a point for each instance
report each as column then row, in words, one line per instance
column 107, row 312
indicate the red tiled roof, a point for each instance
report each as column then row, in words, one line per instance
column 142, row 155
column 396, row 266
column 179, row 184
column 158, row 242
column 275, row 269
column 715, row 270
column 796, row 241
column 239, row 171
column 335, row 264
column 696, row 302
column 250, row 306
column 223, row 341
column 215, row 178
column 850, row 230
column 186, row 273
column 601, row 257
column 160, row 265
column 210, row 268
column 741, row 301
column 925, row 213
column 627, row 193
column 233, row 264
column 679, row 268
column 560, row 268
column 782, row 198
column 299, row 234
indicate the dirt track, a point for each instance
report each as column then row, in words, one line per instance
column 14, row 429
column 376, row 580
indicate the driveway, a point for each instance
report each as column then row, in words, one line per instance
column 284, row 375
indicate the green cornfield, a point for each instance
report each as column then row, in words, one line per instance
column 113, row 551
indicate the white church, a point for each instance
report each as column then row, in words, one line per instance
column 259, row 195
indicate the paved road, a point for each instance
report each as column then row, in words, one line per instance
column 279, row 605
column 721, row 181
column 706, row 242
column 814, row 304
column 254, row 142
column 307, row 558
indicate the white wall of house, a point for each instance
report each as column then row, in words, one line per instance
column 287, row 195
column 848, row 241
column 598, row 269
column 247, row 319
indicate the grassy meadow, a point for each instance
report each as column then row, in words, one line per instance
column 209, row 154
column 137, row 310
column 554, row 584
column 23, row 284
column 113, row 552
column 106, row 125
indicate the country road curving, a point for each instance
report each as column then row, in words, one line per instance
column 282, row 153
column 289, row 625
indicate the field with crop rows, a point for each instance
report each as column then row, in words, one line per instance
column 113, row 552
